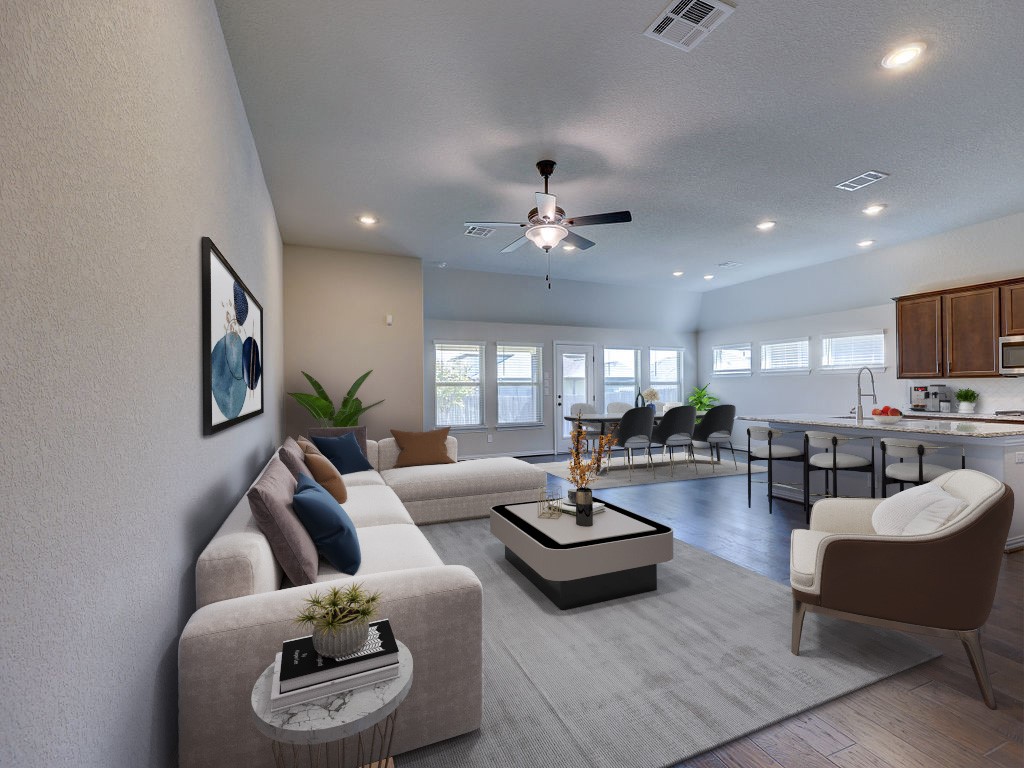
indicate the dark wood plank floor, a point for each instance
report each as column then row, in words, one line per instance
column 928, row 717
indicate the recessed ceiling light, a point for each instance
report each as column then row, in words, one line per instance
column 678, row 273
column 709, row 277
column 764, row 226
column 902, row 56
column 568, row 247
column 368, row 219
column 874, row 210
column 866, row 243
column 441, row 264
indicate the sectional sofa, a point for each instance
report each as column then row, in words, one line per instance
column 246, row 606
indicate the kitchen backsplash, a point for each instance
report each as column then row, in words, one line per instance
column 1003, row 394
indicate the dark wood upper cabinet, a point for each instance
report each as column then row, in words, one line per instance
column 971, row 329
column 1012, row 300
column 919, row 337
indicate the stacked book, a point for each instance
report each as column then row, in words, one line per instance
column 301, row 675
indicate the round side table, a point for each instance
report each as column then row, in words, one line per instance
column 353, row 726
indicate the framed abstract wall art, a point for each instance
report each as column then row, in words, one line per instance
column 232, row 345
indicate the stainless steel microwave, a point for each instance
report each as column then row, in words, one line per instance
column 1011, row 355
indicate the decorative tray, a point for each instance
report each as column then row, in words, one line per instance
column 571, row 508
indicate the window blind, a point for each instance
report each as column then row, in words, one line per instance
column 787, row 356
column 666, row 374
column 853, row 350
column 458, row 384
column 731, row 359
column 518, row 375
column 620, row 375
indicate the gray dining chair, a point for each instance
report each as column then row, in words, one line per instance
column 714, row 431
column 634, row 431
column 675, row 430
column 589, row 433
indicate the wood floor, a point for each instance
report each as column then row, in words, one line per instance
column 928, row 717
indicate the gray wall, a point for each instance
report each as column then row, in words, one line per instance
column 124, row 140
column 336, row 304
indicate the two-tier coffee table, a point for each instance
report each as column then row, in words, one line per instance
column 578, row 565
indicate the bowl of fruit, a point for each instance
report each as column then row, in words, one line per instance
column 886, row 414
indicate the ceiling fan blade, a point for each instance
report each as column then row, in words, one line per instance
column 579, row 242
column 617, row 217
column 546, row 206
column 514, row 244
column 494, row 224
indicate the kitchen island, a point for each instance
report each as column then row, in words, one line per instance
column 992, row 447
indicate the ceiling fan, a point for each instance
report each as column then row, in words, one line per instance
column 546, row 224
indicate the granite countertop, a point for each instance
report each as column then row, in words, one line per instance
column 909, row 413
column 958, row 427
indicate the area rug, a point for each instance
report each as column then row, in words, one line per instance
column 617, row 475
column 647, row 680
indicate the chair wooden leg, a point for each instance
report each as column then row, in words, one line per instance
column 799, row 611
column 972, row 644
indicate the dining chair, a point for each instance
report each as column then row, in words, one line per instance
column 675, row 430
column 617, row 407
column 634, row 431
column 916, row 472
column 715, row 430
column 769, row 450
column 831, row 459
column 589, row 433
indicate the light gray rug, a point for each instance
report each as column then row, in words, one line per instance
column 617, row 475
column 647, row 680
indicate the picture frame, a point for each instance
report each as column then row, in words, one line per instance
column 232, row 345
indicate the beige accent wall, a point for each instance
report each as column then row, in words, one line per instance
column 123, row 140
column 336, row 307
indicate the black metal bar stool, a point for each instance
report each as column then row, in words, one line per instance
column 913, row 472
column 769, row 451
column 833, row 460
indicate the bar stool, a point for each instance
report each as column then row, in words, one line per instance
column 832, row 460
column 915, row 473
column 769, row 452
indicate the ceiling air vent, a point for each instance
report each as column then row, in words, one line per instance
column 729, row 264
column 868, row 177
column 686, row 23
column 479, row 231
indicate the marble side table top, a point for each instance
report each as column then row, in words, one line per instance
column 331, row 719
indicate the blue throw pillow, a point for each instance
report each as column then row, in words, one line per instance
column 343, row 452
column 328, row 524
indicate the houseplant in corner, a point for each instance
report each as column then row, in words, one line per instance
column 340, row 620
column 582, row 473
column 967, row 398
column 701, row 399
column 322, row 409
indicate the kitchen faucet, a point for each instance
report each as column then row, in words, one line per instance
column 860, row 396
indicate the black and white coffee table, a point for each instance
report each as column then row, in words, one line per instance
column 578, row 565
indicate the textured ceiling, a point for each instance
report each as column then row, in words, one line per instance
column 429, row 114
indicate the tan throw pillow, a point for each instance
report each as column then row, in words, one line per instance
column 417, row 449
column 327, row 475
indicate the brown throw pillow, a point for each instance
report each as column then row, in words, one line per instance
column 270, row 500
column 291, row 454
column 420, row 448
column 325, row 473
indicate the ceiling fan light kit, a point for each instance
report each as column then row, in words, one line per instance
column 546, row 236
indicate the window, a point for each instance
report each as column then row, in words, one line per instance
column 518, row 376
column 620, row 376
column 732, row 360
column 666, row 374
column 788, row 356
column 852, row 350
column 458, row 384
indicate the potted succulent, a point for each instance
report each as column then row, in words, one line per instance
column 967, row 398
column 340, row 619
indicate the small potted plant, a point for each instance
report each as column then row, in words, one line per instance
column 967, row 398
column 340, row 619
column 651, row 397
column 701, row 399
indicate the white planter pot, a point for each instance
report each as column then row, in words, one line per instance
column 966, row 407
column 341, row 642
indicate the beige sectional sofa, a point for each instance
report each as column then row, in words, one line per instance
column 246, row 608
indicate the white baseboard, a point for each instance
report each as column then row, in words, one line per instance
column 515, row 453
column 1014, row 543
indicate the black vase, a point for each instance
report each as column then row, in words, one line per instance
column 584, row 506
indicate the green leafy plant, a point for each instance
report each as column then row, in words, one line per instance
column 320, row 406
column 338, row 607
column 966, row 395
column 701, row 399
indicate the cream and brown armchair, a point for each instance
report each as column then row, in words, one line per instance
column 925, row 560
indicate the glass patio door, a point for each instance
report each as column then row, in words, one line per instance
column 574, row 383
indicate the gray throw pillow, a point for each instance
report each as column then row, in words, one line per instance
column 270, row 500
column 293, row 457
